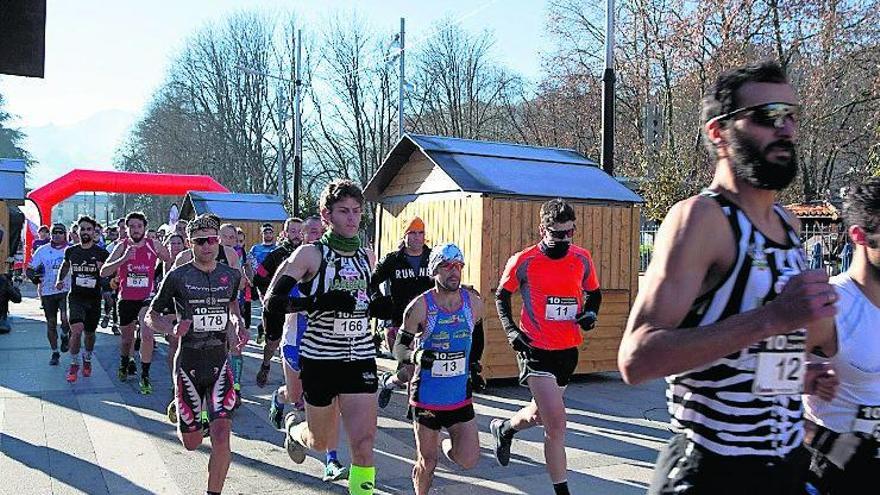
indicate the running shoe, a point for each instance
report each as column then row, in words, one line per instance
column 115, row 330
column 105, row 320
column 206, row 425
column 171, row 411
column 87, row 368
column 263, row 375
column 384, row 392
column 261, row 334
column 237, row 388
column 122, row 373
column 56, row 356
column 132, row 367
column 276, row 411
column 334, row 471
column 146, row 386
column 72, row 372
column 502, row 442
column 295, row 450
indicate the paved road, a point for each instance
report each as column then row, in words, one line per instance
column 100, row 436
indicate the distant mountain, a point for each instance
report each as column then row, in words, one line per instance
column 89, row 143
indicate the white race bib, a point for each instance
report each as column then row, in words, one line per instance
column 447, row 365
column 350, row 327
column 780, row 368
column 137, row 281
column 87, row 282
column 210, row 322
column 560, row 308
column 867, row 421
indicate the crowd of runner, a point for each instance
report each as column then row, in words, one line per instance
column 773, row 370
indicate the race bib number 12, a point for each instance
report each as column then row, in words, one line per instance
column 780, row 367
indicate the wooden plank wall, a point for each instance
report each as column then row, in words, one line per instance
column 609, row 232
column 252, row 231
column 419, row 176
column 447, row 219
column 4, row 245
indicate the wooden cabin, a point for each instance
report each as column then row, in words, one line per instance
column 486, row 198
column 12, row 174
column 248, row 211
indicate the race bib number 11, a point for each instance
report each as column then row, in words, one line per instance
column 560, row 308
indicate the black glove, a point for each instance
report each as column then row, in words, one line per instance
column 334, row 300
column 478, row 383
column 519, row 340
column 381, row 307
column 424, row 358
column 586, row 320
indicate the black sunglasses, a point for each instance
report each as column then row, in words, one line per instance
column 766, row 114
column 561, row 234
column 211, row 240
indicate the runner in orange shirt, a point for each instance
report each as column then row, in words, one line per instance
column 561, row 297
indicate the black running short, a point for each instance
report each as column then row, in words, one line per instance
column 436, row 420
column 683, row 468
column 204, row 383
column 129, row 310
column 85, row 310
column 52, row 304
column 323, row 380
column 539, row 362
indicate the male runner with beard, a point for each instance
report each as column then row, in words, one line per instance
column 726, row 306
column 135, row 260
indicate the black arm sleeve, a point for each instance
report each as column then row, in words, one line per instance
column 478, row 343
column 277, row 300
column 593, row 300
column 402, row 351
column 505, row 313
column 380, row 275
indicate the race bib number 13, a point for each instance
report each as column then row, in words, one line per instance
column 448, row 364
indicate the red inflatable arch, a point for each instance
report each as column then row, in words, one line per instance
column 111, row 181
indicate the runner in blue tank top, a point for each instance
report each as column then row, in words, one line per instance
column 437, row 334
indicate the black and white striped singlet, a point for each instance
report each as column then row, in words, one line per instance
column 716, row 405
column 333, row 335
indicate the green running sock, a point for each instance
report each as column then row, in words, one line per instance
column 361, row 480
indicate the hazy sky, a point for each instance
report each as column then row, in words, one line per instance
column 112, row 54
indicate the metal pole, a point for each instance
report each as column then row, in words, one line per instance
column 297, row 131
column 279, row 156
column 400, row 83
column 608, row 92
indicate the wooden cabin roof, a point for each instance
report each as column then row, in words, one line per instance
column 504, row 169
column 234, row 206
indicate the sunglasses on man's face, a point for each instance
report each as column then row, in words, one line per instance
column 561, row 234
column 766, row 114
column 211, row 240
